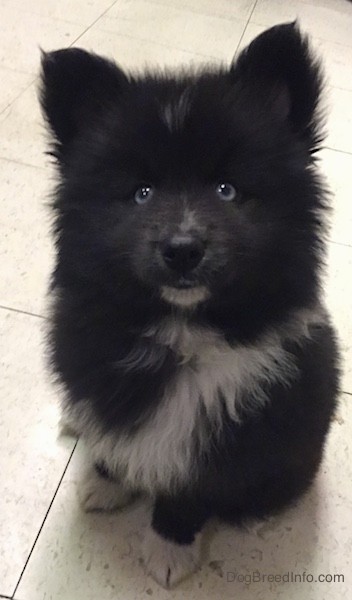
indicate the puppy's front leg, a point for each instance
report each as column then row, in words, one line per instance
column 171, row 548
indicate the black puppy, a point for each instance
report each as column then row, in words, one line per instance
column 188, row 329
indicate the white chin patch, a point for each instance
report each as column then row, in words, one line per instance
column 185, row 298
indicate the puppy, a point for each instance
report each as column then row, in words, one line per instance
column 199, row 363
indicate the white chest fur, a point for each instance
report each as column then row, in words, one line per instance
column 161, row 453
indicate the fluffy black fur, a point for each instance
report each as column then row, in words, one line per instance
column 256, row 126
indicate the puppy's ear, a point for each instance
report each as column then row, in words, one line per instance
column 76, row 86
column 280, row 71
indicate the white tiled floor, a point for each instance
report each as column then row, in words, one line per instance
column 72, row 556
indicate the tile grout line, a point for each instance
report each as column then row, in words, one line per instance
column 336, row 150
column 339, row 87
column 92, row 24
column 22, row 163
column 44, row 520
column 340, row 244
column 23, row 312
column 19, row 94
column 245, row 29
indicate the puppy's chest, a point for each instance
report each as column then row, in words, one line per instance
column 211, row 376
column 206, row 364
column 210, row 368
column 162, row 451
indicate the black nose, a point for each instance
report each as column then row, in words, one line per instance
column 182, row 253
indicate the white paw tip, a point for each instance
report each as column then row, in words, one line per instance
column 99, row 494
column 168, row 562
column 66, row 428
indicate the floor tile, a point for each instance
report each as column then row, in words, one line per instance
column 338, row 288
column 337, row 168
column 96, row 556
column 25, row 249
column 131, row 53
column 339, row 123
column 209, row 35
column 329, row 20
column 31, row 459
column 240, row 9
column 22, row 130
column 337, row 62
column 83, row 13
column 21, row 35
column 13, row 83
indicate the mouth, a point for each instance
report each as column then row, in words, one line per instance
column 184, row 283
column 185, row 295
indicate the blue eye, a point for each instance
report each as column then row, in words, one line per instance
column 226, row 191
column 143, row 194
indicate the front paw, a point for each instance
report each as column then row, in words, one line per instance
column 98, row 493
column 168, row 562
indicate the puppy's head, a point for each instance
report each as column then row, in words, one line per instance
column 192, row 187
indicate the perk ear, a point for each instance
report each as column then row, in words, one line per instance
column 280, row 70
column 76, row 86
